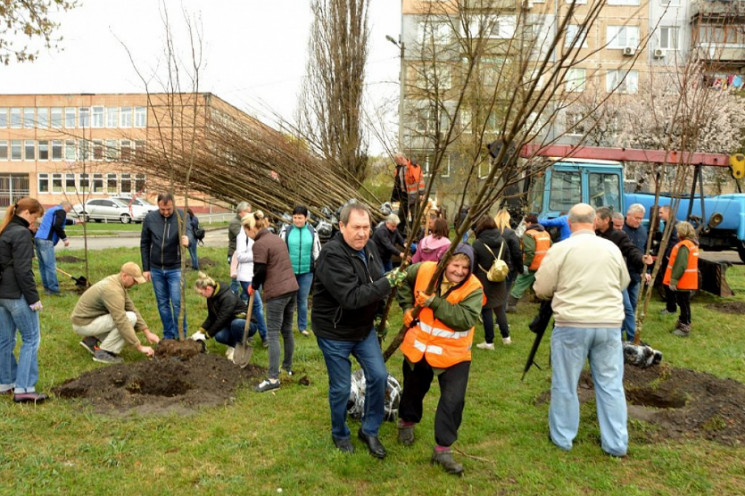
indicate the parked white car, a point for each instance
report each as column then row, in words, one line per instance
column 108, row 209
column 136, row 201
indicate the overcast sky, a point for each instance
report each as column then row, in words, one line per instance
column 254, row 51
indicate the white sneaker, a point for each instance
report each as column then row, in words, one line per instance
column 229, row 353
column 485, row 346
column 507, row 340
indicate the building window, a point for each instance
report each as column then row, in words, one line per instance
column 622, row 36
column 503, row 27
column 29, row 147
column 83, row 150
column 3, row 150
column 126, row 183
column 574, row 124
column 575, row 36
column 56, row 183
column 3, row 117
column 16, row 150
column 669, row 37
column 622, row 81
column 56, row 122
column 84, row 117
column 575, row 80
column 70, row 186
column 97, row 183
column 97, row 149
column 97, row 117
column 432, row 32
column 111, row 184
column 84, row 181
column 28, row 118
column 140, row 149
column 70, row 117
column 15, row 118
column 43, row 150
column 435, row 78
column 43, row 183
column 70, row 154
column 139, row 183
column 112, row 117
column 140, row 117
column 56, row 149
column 125, row 117
column 42, row 117
column 111, row 150
column 125, row 150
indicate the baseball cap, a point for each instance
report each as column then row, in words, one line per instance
column 132, row 269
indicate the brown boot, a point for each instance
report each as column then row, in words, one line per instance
column 445, row 460
column 511, row 304
column 683, row 331
column 406, row 434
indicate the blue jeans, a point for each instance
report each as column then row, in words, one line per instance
column 47, row 264
column 629, row 319
column 233, row 334
column 387, row 265
column 15, row 315
column 258, row 309
column 279, row 312
column 630, row 325
column 193, row 253
column 368, row 354
column 304, row 282
column 570, row 346
column 167, row 287
column 235, row 286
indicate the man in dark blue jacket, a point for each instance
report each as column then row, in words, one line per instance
column 50, row 232
column 161, row 260
column 348, row 289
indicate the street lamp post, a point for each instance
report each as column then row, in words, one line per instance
column 402, row 90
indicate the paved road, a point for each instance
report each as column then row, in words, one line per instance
column 213, row 238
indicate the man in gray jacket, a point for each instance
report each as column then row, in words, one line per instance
column 161, row 260
column 586, row 275
column 107, row 318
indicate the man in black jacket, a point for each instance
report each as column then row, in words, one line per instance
column 161, row 260
column 348, row 289
column 635, row 259
column 386, row 237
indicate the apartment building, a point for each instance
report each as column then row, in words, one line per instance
column 69, row 146
column 631, row 46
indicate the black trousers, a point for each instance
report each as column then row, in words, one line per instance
column 453, row 382
column 683, row 298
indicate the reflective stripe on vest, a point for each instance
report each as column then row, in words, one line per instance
column 542, row 244
column 689, row 279
column 441, row 346
column 413, row 179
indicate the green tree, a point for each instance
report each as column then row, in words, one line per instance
column 23, row 23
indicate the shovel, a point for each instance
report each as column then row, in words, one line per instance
column 79, row 281
column 243, row 351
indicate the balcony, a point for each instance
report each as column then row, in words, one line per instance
column 734, row 10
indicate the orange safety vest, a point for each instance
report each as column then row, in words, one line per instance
column 542, row 244
column 441, row 346
column 414, row 179
column 689, row 279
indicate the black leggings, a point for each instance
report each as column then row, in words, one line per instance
column 487, row 316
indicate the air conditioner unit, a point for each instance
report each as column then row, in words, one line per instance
column 659, row 53
column 629, row 51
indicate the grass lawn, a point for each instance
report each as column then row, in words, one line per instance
column 263, row 442
column 113, row 228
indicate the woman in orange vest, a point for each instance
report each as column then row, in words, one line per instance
column 439, row 343
column 681, row 275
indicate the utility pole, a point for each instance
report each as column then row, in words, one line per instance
column 402, row 90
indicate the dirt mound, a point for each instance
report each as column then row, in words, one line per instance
column 68, row 259
column 734, row 307
column 678, row 403
column 180, row 383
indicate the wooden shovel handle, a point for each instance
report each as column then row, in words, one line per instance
column 249, row 310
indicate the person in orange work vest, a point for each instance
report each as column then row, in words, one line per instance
column 438, row 343
column 681, row 275
column 408, row 188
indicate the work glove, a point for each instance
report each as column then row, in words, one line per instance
column 409, row 317
column 199, row 336
column 36, row 307
column 382, row 331
column 673, row 287
column 250, row 290
column 396, row 277
column 422, row 299
column 525, row 269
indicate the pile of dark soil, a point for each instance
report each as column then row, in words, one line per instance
column 680, row 403
column 179, row 379
column 68, row 259
column 734, row 307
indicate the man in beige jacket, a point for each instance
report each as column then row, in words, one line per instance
column 107, row 318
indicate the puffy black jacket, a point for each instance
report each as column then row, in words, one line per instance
column 222, row 307
column 346, row 291
column 159, row 241
column 630, row 252
column 16, row 255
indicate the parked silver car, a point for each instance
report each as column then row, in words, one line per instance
column 136, row 201
column 108, row 209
